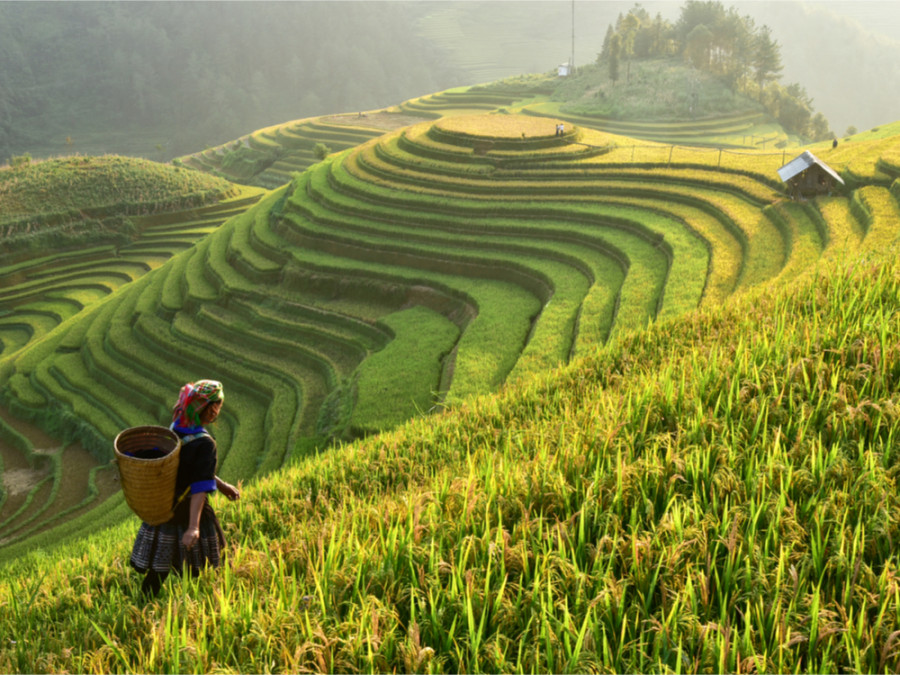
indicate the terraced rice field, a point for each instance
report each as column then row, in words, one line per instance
column 39, row 294
column 269, row 157
column 47, row 481
column 463, row 100
column 745, row 130
column 431, row 263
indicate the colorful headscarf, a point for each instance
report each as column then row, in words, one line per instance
column 192, row 399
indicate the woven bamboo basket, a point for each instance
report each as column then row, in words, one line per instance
column 148, row 484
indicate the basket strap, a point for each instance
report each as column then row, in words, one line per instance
column 184, row 494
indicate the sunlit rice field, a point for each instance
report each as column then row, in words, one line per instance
column 715, row 493
column 502, row 400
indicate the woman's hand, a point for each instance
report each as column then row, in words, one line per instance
column 191, row 535
column 227, row 489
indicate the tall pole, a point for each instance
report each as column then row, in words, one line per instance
column 572, row 59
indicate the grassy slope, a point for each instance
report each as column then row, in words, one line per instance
column 77, row 183
column 714, row 493
column 651, row 89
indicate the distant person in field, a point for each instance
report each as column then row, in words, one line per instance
column 193, row 539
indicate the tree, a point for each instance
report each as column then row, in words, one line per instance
column 615, row 52
column 698, row 46
column 794, row 109
column 736, row 33
column 695, row 13
column 604, row 52
column 628, row 31
column 766, row 60
column 660, row 34
column 818, row 128
column 321, row 151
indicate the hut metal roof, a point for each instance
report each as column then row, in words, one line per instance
column 802, row 163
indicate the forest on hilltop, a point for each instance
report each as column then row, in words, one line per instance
column 719, row 41
column 182, row 76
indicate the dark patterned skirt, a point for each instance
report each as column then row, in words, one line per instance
column 159, row 547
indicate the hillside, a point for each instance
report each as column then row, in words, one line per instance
column 514, row 250
column 102, row 78
column 81, row 201
column 715, row 493
column 77, row 184
column 512, row 386
column 493, row 40
column 270, row 156
column 75, row 231
column 161, row 80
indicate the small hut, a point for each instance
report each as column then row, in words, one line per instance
column 564, row 69
column 808, row 176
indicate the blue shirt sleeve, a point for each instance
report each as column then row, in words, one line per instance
column 203, row 486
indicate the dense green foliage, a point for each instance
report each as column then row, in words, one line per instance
column 716, row 493
column 715, row 41
column 658, row 89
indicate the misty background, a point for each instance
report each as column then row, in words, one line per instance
column 162, row 79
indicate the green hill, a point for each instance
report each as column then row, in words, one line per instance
column 715, row 493
column 75, row 201
column 504, row 399
column 513, row 249
column 97, row 183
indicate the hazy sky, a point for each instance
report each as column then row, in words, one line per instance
column 881, row 17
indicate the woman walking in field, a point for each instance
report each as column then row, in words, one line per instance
column 193, row 538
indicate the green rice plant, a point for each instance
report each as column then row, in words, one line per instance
column 858, row 161
column 173, row 279
column 407, row 372
column 310, row 370
column 557, row 276
column 749, row 225
column 878, row 210
column 38, row 498
column 200, row 285
column 647, row 241
column 161, row 346
column 80, row 278
column 26, row 327
column 85, row 184
column 241, row 243
column 803, row 233
column 741, row 129
column 73, row 488
column 343, row 345
column 845, row 232
column 560, row 211
column 490, row 344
